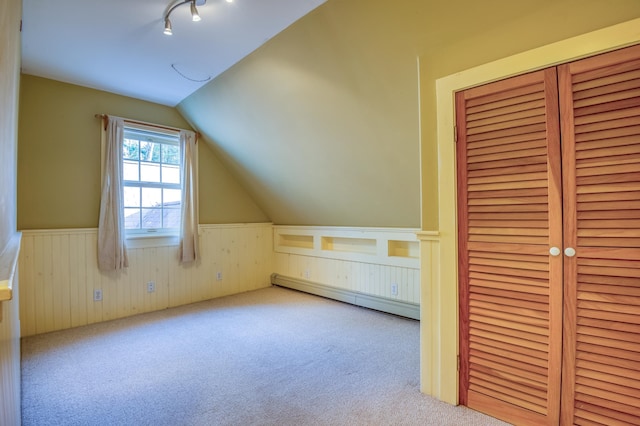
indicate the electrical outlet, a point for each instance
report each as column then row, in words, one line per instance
column 97, row 295
column 151, row 286
column 219, row 276
column 394, row 289
column 307, row 273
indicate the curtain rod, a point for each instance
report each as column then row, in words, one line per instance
column 144, row 123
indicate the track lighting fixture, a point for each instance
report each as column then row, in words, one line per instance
column 195, row 16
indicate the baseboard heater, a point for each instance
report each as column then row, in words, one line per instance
column 383, row 304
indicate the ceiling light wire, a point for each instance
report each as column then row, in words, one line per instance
column 188, row 78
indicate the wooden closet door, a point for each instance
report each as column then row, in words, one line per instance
column 600, row 113
column 510, row 214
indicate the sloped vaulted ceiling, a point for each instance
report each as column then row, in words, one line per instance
column 321, row 123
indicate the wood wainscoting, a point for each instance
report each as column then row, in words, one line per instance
column 9, row 334
column 364, row 266
column 59, row 274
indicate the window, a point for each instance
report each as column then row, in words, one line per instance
column 152, row 190
column 149, row 189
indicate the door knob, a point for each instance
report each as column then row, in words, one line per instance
column 570, row 252
column 554, row 251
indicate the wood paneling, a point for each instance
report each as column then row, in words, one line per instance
column 9, row 334
column 10, row 361
column 372, row 275
column 349, row 268
column 59, row 275
column 367, row 278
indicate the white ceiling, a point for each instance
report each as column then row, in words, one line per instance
column 119, row 45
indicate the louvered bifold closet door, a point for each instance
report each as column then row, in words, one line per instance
column 600, row 105
column 509, row 207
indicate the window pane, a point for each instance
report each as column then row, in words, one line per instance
column 171, row 218
column 132, row 218
column 152, row 218
column 171, row 197
column 131, row 196
column 170, row 174
column 130, row 170
column 149, row 151
column 170, row 154
column 149, row 172
column 131, row 149
column 151, row 197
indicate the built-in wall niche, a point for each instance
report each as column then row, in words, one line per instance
column 384, row 246
column 350, row 245
column 297, row 241
column 410, row 249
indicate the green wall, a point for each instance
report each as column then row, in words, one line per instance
column 327, row 122
column 59, row 158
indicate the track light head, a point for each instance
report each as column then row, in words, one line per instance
column 195, row 17
column 167, row 27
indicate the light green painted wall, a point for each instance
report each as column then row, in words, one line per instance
column 59, row 157
column 322, row 123
column 222, row 199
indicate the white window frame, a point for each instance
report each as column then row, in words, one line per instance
column 151, row 237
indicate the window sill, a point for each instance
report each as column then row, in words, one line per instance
column 151, row 240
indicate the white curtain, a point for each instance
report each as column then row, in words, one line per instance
column 112, row 253
column 189, row 221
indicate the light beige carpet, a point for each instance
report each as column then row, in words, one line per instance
column 268, row 357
